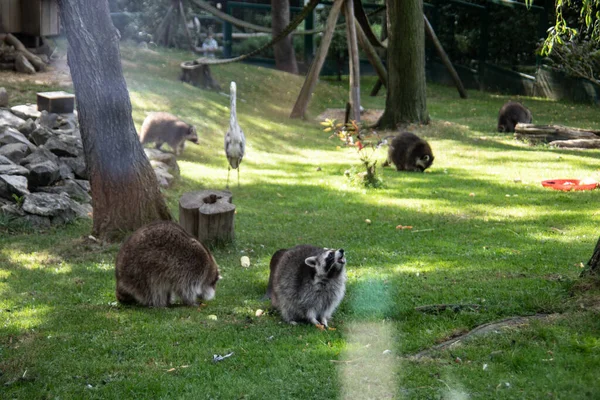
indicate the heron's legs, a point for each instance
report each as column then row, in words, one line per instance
column 238, row 168
column 228, row 171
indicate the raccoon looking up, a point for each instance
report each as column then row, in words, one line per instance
column 511, row 114
column 162, row 127
column 160, row 261
column 307, row 283
column 408, row 152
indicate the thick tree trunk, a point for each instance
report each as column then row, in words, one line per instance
column 406, row 97
column 125, row 192
column 285, row 57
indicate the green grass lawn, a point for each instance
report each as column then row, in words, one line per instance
column 484, row 232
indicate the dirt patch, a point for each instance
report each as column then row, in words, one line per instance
column 368, row 116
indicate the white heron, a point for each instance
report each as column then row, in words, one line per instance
column 235, row 142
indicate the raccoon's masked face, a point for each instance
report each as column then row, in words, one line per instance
column 424, row 162
column 192, row 136
column 328, row 262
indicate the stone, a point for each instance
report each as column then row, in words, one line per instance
column 26, row 111
column 48, row 204
column 85, row 185
column 43, row 173
column 12, row 210
column 69, row 186
column 14, row 151
column 166, row 158
column 9, row 135
column 64, row 146
column 5, row 161
column 36, row 221
column 41, row 154
column 41, row 135
column 8, row 118
column 13, row 169
column 3, row 97
column 77, row 165
column 23, row 65
column 48, row 120
column 27, row 127
column 65, row 171
column 13, row 184
column 164, row 178
column 84, row 210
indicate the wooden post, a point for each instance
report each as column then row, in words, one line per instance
column 315, row 67
column 444, row 57
column 208, row 215
column 353, row 59
column 371, row 53
column 184, row 22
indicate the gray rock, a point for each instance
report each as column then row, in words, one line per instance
column 65, row 171
column 27, row 127
column 3, row 97
column 48, row 204
column 167, row 158
column 9, row 135
column 13, row 184
column 8, row 118
column 13, row 169
column 64, row 146
column 14, row 151
column 12, row 210
column 41, row 154
column 48, row 120
column 36, row 221
column 85, row 185
column 77, row 165
column 82, row 210
column 5, row 161
column 23, row 65
column 43, row 173
column 69, row 186
column 41, row 135
column 26, row 111
column 164, row 178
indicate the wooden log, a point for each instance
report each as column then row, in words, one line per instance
column 371, row 54
column 208, row 215
column 550, row 133
column 577, row 144
column 37, row 62
column 354, row 75
column 315, row 67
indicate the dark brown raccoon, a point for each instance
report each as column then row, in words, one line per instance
column 161, row 261
column 408, row 152
column 307, row 283
column 162, row 127
column 511, row 114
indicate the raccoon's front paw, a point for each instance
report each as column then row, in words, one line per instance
column 293, row 323
column 320, row 327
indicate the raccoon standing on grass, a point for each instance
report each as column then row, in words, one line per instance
column 160, row 261
column 307, row 283
column 408, row 152
column 162, row 127
column 511, row 114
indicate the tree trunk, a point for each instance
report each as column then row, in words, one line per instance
column 406, row 97
column 285, row 57
column 125, row 191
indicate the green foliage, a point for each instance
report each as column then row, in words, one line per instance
column 580, row 59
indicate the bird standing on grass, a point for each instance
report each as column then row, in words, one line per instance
column 235, row 142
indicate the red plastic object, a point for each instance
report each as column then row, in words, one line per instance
column 568, row 184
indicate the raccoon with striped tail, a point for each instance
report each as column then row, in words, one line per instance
column 307, row 283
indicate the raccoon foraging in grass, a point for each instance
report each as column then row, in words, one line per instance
column 307, row 283
column 160, row 261
column 408, row 152
column 511, row 114
column 162, row 127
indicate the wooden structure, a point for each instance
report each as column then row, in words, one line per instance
column 56, row 102
column 208, row 215
column 32, row 17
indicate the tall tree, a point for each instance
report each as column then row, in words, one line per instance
column 406, row 97
column 285, row 57
column 125, row 191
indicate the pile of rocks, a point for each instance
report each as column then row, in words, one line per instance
column 43, row 176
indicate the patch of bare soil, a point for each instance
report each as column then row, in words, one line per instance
column 57, row 73
column 368, row 116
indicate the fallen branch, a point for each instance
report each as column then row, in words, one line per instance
column 437, row 308
column 37, row 62
column 550, row 133
column 478, row 331
column 577, row 144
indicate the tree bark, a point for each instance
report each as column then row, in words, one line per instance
column 551, row 133
column 406, row 96
column 125, row 191
column 285, row 57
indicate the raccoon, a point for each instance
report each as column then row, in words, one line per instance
column 511, row 114
column 408, row 152
column 160, row 261
column 307, row 283
column 162, row 127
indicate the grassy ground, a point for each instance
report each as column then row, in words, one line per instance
column 484, row 232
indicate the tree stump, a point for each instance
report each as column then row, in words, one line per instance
column 208, row 215
column 198, row 74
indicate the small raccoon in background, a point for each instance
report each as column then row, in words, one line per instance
column 408, row 152
column 511, row 114
column 162, row 127
column 307, row 283
column 160, row 261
